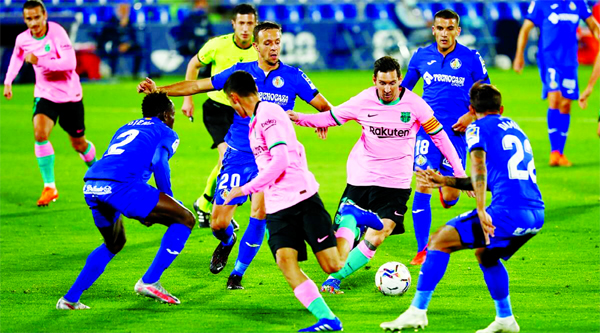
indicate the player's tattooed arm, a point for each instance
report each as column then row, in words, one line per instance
column 431, row 178
column 479, row 180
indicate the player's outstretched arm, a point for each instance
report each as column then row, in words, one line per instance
column 191, row 73
column 594, row 26
column 323, row 119
column 591, row 83
column 519, row 61
column 182, row 88
column 441, row 140
column 479, row 180
column 321, row 104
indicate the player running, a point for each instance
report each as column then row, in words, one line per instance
column 117, row 184
column 57, row 95
column 220, row 53
column 501, row 160
column 295, row 212
column 380, row 164
column 277, row 83
column 448, row 70
column 557, row 62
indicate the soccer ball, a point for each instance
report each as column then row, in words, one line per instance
column 392, row 278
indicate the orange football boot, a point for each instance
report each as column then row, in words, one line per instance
column 48, row 194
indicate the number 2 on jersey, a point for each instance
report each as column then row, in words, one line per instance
column 115, row 149
column 510, row 141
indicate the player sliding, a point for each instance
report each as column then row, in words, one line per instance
column 278, row 83
column 500, row 152
column 295, row 212
column 58, row 95
column 381, row 163
column 117, row 184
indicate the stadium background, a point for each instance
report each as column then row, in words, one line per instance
column 554, row 278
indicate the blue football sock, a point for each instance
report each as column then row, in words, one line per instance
column 431, row 274
column 421, row 213
column 225, row 235
column 94, row 266
column 249, row 245
column 496, row 278
column 450, row 203
column 172, row 244
column 553, row 128
column 563, row 130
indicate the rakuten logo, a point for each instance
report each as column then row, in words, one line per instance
column 384, row 133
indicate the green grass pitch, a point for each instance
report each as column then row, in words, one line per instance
column 554, row 278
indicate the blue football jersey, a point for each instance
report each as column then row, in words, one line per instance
column 446, row 80
column 132, row 149
column 558, row 22
column 509, row 162
column 280, row 86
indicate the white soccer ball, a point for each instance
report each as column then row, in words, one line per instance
column 392, row 278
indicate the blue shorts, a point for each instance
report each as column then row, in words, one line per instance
column 514, row 228
column 560, row 78
column 238, row 169
column 108, row 200
column 427, row 154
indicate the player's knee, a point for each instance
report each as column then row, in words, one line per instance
column 40, row 135
column 565, row 107
column 188, row 219
column 283, row 260
column 486, row 258
column 332, row 266
column 258, row 213
column 116, row 246
column 217, row 223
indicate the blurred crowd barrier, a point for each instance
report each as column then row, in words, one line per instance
column 156, row 37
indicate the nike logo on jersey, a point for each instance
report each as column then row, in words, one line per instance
column 554, row 6
column 418, row 211
column 252, row 245
column 396, row 213
column 431, row 62
column 552, row 130
column 172, row 252
column 320, row 240
column 371, row 115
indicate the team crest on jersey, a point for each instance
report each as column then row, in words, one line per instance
column 405, row 117
column 455, row 63
column 421, row 160
column 572, row 6
column 278, row 82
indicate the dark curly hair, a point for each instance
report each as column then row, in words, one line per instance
column 156, row 103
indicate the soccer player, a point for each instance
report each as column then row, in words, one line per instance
column 57, row 94
column 557, row 62
column 220, row 53
column 590, row 87
column 448, row 70
column 117, row 184
column 295, row 212
column 501, row 160
column 380, row 165
column 277, row 83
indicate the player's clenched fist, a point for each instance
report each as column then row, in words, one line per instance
column 8, row 91
column 147, row 86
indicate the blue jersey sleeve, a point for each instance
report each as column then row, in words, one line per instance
column 474, row 137
column 479, row 70
column 584, row 10
column 412, row 73
column 218, row 80
column 534, row 13
column 306, row 89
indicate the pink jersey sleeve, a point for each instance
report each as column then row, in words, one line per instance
column 444, row 144
column 16, row 62
column 277, row 165
column 66, row 60
column 271, row 125
column 338, row 116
